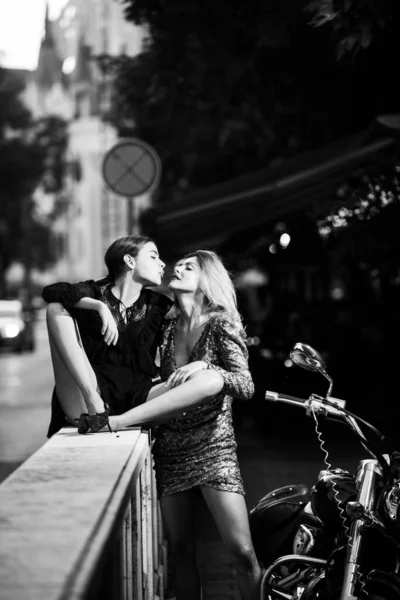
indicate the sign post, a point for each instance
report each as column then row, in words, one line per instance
column 131, row 168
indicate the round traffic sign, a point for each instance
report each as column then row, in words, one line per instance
column 131, row 168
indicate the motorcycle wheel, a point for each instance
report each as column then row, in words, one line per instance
column 383, row 586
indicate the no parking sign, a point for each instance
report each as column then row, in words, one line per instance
column 131, row 168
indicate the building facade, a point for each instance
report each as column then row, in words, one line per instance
column 69, row 83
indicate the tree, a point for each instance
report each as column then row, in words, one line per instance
column 356, row 24
column 224, row 88
column 361, row 219
column 31, row 152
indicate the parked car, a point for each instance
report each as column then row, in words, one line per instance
column 16, row 326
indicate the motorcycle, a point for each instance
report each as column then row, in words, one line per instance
column 339, row 540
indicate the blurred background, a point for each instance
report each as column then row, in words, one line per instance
column 277, row 124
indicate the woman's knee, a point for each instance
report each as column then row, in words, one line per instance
column 212, row 382
column 53, row 310
column 243, row 556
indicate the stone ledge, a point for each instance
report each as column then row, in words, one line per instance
column 58, row 509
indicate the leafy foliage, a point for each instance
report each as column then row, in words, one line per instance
column 50, row 135
column 224, row 88
column 363, row 198
column 355, row 23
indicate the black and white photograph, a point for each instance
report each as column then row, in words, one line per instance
column 199, row 300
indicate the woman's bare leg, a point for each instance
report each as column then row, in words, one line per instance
column 156, row 390
column 162, row 407
column 178, row 519
column 230, row 514
column 75, row 380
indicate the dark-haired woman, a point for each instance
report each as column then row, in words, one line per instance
column 104, row 336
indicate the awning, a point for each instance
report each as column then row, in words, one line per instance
column 210, row 216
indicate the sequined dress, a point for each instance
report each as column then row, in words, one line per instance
column 199, row 446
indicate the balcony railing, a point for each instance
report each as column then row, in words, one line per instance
column 80, row 520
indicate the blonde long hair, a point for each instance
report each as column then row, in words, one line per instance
column 216, row 285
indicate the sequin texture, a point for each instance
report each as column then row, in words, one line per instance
column 199, row 446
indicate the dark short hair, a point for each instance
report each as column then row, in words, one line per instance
column 114, row 257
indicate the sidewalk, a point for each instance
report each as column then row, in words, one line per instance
column 264, row 468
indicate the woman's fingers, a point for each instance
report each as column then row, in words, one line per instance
column 178, row 378
column 181, row 375
column 181, row 378
column 109, row 329
column 168, row 382
column 110, row 334
column 171, row 379
column 184, row 377
column 105, row 328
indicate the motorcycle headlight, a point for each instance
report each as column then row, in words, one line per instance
column 392, row 502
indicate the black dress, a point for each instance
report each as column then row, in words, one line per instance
column 125, row 371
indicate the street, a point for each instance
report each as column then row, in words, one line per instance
column 26, row 382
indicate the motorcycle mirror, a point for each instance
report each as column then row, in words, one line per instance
column 307, row 357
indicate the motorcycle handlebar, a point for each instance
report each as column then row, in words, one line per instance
column 312, row 404
column 277, row 396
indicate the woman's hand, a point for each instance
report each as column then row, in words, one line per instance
column 109, row 328
column 183, row 373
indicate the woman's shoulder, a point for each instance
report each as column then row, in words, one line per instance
column 226, row 323
column 227, row 319
column 102, row 285
column 70, row 293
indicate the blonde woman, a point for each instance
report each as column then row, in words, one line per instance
column 202, row 334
